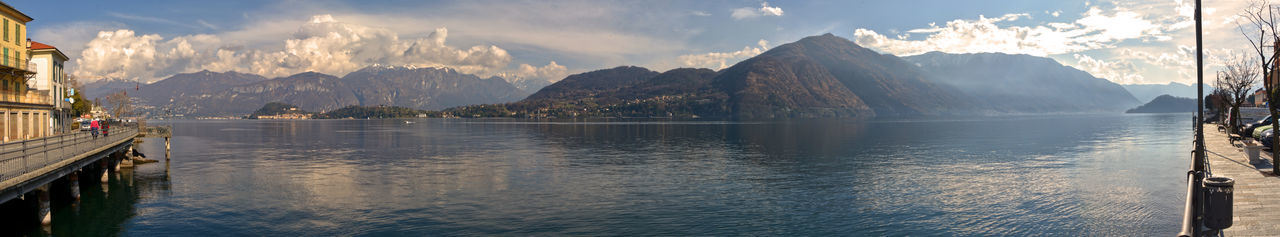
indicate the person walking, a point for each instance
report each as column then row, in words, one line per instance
column 93, row 127
column 106, row 127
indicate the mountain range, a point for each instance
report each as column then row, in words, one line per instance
column 1147, row 92
column 826, row 76
column 817, row 76
column 208, row 93
column 1024, row 83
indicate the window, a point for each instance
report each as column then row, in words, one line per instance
column 6, row 30
column 6, row 56
column 17, row 31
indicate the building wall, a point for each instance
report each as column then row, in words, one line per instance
column 49, row 75
column 14, row 41
column 51, row 79
column 40, row 65
column 23, row 115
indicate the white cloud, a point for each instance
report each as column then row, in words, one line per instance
column 206, row 24
column 1095, row 30
column 552, row 72
column 149, row 19
column 700, row 13
column 322, row 44
column 1123, row 72
column 71, row 37
column 119, row 54
column 764, row 10
column 721, row 60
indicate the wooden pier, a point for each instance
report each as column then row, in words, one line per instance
column 1257, row 190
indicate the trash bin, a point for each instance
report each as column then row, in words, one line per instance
column 1217, row 202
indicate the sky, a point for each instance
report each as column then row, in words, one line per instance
column 1127, row 42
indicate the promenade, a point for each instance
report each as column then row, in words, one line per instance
column 1257, row 190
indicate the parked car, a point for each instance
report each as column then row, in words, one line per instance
column 84, row 125
column 1250, row 127
column 1268, row 138
column 1257, row 132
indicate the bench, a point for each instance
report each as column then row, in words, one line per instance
column 1235, row 137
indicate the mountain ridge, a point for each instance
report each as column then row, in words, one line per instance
column 1023, row 83
column 231, row 93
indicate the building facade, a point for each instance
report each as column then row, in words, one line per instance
column 50, row 79
column 24, row 111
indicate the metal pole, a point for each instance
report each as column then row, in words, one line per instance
column 1193, row 222
column 1199, row 155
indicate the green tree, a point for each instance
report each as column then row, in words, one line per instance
column 79, row 106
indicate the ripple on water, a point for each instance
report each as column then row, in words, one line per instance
column 1020, row 176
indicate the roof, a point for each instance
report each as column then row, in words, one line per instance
column 38, row 45
column 4, row 7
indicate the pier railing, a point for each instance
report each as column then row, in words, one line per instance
column 22, row 157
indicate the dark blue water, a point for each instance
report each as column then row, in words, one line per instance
column 1040, row 175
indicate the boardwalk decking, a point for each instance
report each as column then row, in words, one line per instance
column 1257, row 190
column 24, row 165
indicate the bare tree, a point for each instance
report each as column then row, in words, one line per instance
column 1261, row 18
column 1217, row 102
column 1237, row 81
column 120, row 103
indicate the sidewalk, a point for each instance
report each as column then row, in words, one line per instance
column 1257, row 190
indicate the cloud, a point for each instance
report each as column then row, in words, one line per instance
column 71, row 37
column 764, row 10
column 207, row 24
column 1123, row 72
column 1095, row 30
column 721, row 60
column 552, row 72
column 700, row 13
column 150, row 19
column 119, row 54
column 322, row 44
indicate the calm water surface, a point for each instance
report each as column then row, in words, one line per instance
column 1062, row 175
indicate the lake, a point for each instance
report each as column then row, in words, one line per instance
column 1021, row 175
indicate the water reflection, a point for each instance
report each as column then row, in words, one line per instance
column 107, row 208
column 1009, row 176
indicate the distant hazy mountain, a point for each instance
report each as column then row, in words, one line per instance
column 309, row 91
column 103, row 87
column 427, row 88
column 229, row 94
column 1146, row 92
column 529, row 85
column 1167, row 104
column 1023, row 83
column 198, row 84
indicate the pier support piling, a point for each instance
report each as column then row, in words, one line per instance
column 73, row 180
column 103, row 166
column 43, row 212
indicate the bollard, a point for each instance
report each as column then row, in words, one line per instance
column 1217, row 202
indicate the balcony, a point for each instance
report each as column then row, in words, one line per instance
column 30, row 97
column 15, row 66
